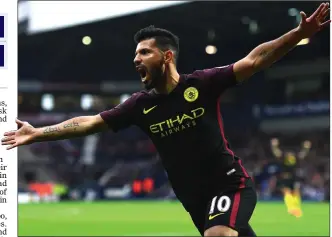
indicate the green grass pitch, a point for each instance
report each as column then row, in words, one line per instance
column 155, row 218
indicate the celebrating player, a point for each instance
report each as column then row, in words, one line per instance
column 181, row 115
column 287, row 180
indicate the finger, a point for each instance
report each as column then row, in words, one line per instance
column 5, row 139
column 325, row 13
column 323, row 10
column 12, row 146
column 303, row 16
column 8, row 142
column 10, row 133
column 326, row 6
column 19, row 122
column 316, row 13
column 326, row 23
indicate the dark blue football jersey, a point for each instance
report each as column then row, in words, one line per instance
column 187, row 129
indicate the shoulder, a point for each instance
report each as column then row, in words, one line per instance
column 143, row 95
column 215, row 79
column 139, row 99
column 202, row 74
column 137, row 96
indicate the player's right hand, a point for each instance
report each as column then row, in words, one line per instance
column 23, row 136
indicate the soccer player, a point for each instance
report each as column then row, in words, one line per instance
column 181, row 115
column 288, row 182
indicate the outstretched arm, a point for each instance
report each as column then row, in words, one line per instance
column 116, row 118
column 75, row 127
column 264, row 55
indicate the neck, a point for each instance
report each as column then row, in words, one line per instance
column 172, row 79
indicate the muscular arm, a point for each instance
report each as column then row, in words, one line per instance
column 75, row 127
column 264, row 55
column 117, row 118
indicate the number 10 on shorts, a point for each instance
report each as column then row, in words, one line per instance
column 222, row 204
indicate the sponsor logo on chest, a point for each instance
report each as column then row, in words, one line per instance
column 179, row 121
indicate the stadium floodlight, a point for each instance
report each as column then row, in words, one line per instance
column 86, row 40
column 124, row 97
column 47, row 102
column 86, row 102
column 211, row 49
column 293, row 12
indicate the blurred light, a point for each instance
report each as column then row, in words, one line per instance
column 211, row 49
column 293, row 12
column 86, row 101
column 245, row 20
column 86, row 40
column 47, row 102
column 124, row 97
column 304, row 41
column 211, row 34
column 253, row 27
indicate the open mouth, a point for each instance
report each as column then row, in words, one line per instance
column 142, row 72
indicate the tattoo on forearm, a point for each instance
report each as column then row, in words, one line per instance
column 264, row 53
column 51, row 130
column 277, row 50
column 71, row 125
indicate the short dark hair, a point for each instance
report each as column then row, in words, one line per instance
column 164, row 39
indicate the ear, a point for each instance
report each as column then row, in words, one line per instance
column 168, row 56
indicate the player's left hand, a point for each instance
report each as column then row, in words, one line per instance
column 316, row 22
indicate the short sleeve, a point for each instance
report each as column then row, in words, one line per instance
column 218, row 79
column 122, row 116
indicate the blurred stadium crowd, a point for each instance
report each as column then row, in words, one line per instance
column 87, row 68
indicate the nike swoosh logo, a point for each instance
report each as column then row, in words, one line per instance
column 146, row 111
column 213, row 216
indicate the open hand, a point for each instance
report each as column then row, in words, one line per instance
column 316, row 22
column 22, row 136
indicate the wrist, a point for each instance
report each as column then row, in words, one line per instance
column 299, row 34
column 36, row 134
